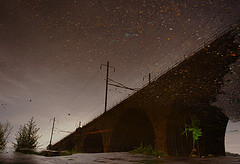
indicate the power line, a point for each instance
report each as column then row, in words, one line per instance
column 3, row 105
column 95, row 107
column 64, row 131
column 124, row 87
column 120, row 85
column 80, row 91
column 91, row 110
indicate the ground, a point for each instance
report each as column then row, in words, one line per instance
column 9, row 157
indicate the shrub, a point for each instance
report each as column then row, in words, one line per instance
column 194, row 128
column 5, row 130
column 27, row 138
column 147, row 149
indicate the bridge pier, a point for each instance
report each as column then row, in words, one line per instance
column 106, row 137
column 161, row 137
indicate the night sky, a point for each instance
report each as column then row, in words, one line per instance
column 51, row 52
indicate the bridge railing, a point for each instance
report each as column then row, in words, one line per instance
column 222, row 31
column 219, row 33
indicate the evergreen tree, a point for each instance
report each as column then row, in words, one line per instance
column 26, row 137
column 5, row 130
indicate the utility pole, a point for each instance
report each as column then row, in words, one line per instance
column 105, row 108
column 50, row 145
column 79, row 125
column 149, row 77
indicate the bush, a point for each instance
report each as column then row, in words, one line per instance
column 27, row 138
column 194, row 128
column 149, row 150
column 5, row 130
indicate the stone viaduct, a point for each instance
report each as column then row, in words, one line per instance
column 157, row 114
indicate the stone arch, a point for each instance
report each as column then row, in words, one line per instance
column 212, row 124
column 133, row 128
column 93, row 142
column 232, row 136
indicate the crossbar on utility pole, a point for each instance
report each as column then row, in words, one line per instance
column 52, row 133
column 105, row 108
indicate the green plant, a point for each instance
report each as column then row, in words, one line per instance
column 27, row 138
column 5, row 130
column 194, row 128
column 147, row 149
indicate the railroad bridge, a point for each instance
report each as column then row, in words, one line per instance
column 157, row 114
